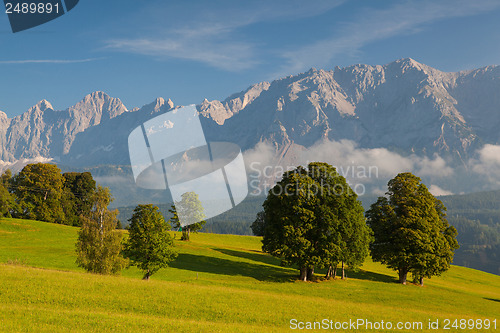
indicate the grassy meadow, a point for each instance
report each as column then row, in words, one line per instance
column 219, row 283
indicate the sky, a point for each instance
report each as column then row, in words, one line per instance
column 191, row 50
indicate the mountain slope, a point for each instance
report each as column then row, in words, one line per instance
column 213, row 285
column 404, row 106
column 44, row 132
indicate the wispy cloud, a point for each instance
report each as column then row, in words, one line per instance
column 214, row 37
column 374, row 25
column 217, row 53
column 49, row 61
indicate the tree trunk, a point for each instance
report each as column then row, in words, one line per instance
column 303, row 274
column 310, row 273
column 146, row 276
column 330, row 273
column 421, row 281
column 402, row 275
column 335, row 271
column 343, row 271
column 185, row 233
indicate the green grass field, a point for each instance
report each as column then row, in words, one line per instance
column 219, row 283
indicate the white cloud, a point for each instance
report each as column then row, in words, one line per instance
column 49, row 61
column 347, row 156
column 436, row 167
column 214, row 51
column 437, row 191
column 378, row 192
column 367, row 166
column 487, row 165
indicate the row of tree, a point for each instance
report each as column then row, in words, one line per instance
column 312, row 218
column 103, row 249
column 41, row 192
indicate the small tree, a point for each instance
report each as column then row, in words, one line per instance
column 410, row 230
column 149, row 246
column 191, row 211
column 259, row 224
column 99, row 244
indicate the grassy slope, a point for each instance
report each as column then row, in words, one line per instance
column 218, row 283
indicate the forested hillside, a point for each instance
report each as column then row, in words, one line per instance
column 477, row 219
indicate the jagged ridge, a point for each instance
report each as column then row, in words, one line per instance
column 404, row 105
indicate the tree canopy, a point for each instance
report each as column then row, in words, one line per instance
column 79, row 189
column 410, row 230
column 99, row 244
column 149, row 246
column 191, row 214
column 8, row 203
column 258, row 226
column 313, row 218
column 39, row 189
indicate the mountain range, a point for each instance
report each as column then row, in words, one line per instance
column 404, row 107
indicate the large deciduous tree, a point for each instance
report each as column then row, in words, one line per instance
column 39, row 189
column 290, row 222
column 149, row 246
column 79, row 189
column 343, row 233
column 313, row 219
column 8, row 203
column 410, row 230
column 99, row 244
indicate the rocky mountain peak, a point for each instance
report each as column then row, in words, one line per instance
column 170, row 103
column 41, row 106
column 98, row 106
column 160, row 102
column 403, row 105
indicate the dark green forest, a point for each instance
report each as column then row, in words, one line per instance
column 476, row 217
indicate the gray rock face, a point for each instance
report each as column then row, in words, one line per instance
column 44, row 132
column 405, row 106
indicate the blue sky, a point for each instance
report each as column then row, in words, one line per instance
column 191, row 50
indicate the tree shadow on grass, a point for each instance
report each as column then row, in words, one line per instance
column 370, row 276
column 256, row 256
column 492, row 299
column 201, row 263
column 265, row 268
column 267, row 259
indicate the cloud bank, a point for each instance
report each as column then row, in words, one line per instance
column 369, row 168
